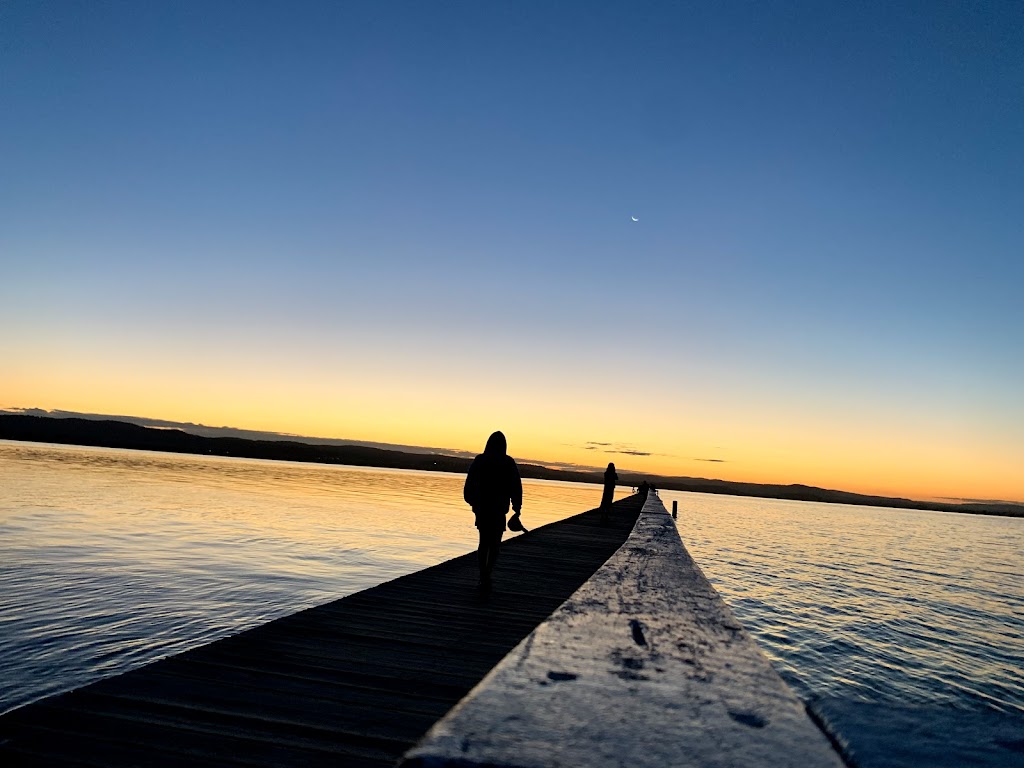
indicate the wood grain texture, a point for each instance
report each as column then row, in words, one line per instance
column 644, row 666
column 354, row 682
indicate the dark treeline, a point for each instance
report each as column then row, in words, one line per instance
column 119, row 434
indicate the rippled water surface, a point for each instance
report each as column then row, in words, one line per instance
column 903, row 629
column 112, row 558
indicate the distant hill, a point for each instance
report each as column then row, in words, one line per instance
column 120, row 434
column 205, row 430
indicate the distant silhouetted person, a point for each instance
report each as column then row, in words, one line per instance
column 610, row 478
column 491, row 483
column 643, row 488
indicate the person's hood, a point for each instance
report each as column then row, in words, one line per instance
column 496, row 445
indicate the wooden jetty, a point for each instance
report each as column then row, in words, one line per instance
column 355, row 682
column 644, row 666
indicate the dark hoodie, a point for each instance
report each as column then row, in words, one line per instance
column 493, row 481
column 610, row 479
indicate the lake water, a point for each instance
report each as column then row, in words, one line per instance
column 901, row 628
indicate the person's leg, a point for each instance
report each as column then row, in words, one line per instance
column 493, row 543
column 482, row 554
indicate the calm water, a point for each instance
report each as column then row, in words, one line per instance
column 902, row 628
column 110, row 559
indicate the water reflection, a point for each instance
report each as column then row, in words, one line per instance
column 900, row 610
column 111, row 558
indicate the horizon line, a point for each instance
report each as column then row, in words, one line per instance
column 255, row 434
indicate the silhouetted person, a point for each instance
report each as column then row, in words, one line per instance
column 491, row 483
column 610, row 478
column 644, row 487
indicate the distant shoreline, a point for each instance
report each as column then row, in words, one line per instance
column 120, row 434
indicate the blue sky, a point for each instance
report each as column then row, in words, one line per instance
column 829, row 199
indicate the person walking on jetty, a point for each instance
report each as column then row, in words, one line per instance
column 491, row 484
column 610, row 479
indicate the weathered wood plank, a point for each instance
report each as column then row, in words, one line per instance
column 353, row 682
column 644, row 666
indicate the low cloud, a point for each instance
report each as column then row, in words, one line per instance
column 715, row 461
column 566, row 465
column 625, row 450
column 965, row 500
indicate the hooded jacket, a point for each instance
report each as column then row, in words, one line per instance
column 610, row 479
column 493, row 480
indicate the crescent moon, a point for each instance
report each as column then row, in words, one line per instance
column 634, row 218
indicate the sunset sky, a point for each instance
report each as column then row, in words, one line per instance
column 411, row 222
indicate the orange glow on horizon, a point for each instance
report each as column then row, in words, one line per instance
column 723, row 440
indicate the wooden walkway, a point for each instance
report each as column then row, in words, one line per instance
column 355, row 682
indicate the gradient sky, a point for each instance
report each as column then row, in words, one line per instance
column 411, row 222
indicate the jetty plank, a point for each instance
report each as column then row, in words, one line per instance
column 354, row 682
column 644, row 666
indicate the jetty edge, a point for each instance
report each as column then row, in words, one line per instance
column 354, row 682
column 644, row 665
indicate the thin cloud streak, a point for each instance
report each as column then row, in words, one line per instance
column 625, row 450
